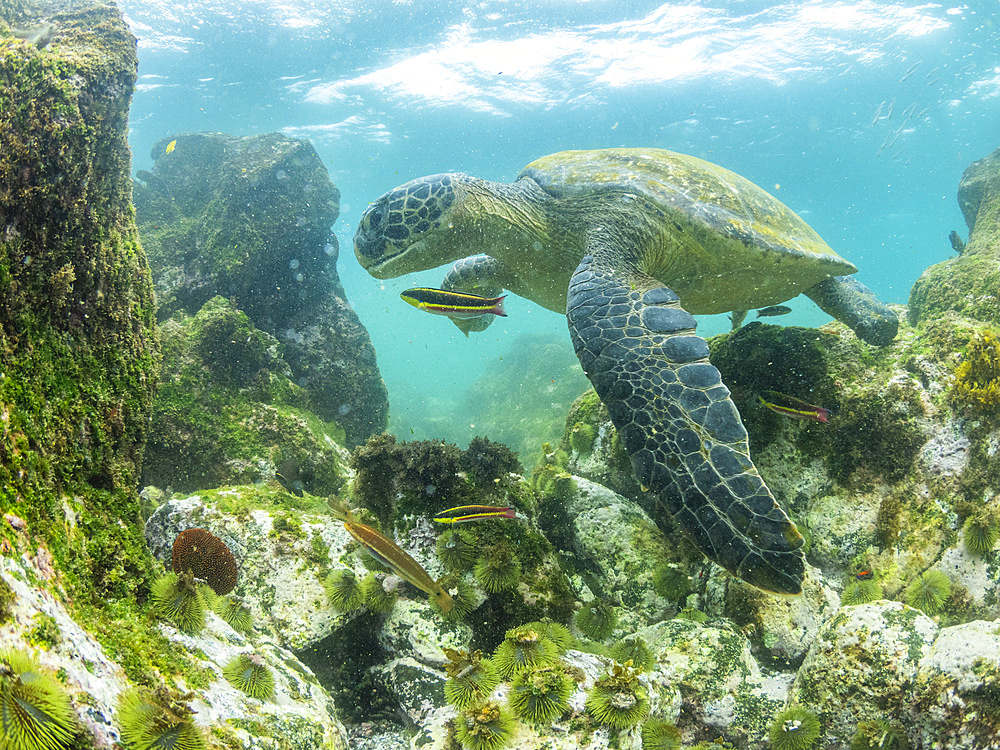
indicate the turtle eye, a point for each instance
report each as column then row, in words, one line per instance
column 374, row 216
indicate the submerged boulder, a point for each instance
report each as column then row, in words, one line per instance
column 250, row 218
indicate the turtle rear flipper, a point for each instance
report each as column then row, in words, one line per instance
column 675, row 418
column 477, row 274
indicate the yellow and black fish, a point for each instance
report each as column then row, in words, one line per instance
column 466, row 513
column 171, row 146
column 793, row 407
column 454, row 304
column 391, row 555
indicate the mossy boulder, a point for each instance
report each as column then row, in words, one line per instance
column 249, row 218
column 78, row 351
column 227, row 411
column 970, row 283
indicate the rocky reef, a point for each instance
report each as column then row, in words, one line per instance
column 249, row 218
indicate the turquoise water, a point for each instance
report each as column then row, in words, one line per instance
column 794, row 96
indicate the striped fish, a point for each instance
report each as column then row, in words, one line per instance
column 392, row 556
column 454, row 304
column 793, row 407
column 466, row 513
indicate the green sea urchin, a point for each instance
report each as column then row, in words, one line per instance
column 880, row 734
column 929, row 591
column 379, row 593
column 463, row 598
column 160, row 723
column 179, row 599
column 249, row 673
column 633, row 650
column 484, row 727
column 658, row 734
column 35, row 712
column 232, row 611
column 457, row 549
column 540, row 694
column 556, row 632
column 795, row 728
column 980, row 533
column 470, row 678
column 498, row 569
column 861, row 592
column 344, row 591
column 597, row 620
column 521, row 648
column 671, row 581
column 618, row 700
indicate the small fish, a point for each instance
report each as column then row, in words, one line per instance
column 774, row 310
column 957, row 243
column 736, row 318
column 892, row 104
column 390, row 554
column 454, row 304
column 793, row 407
column 466, row 513
column 911, row 70
column 40, row 36
column 878, row 113
column 864, row 575
column 171, row 146
column 287, row 475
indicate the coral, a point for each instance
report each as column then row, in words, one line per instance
column 879, row 734
column 160, row 722
column 617, row 699
column 977, row 378
column 540, row 694
column 658, row 734
column 208, row 557
column 232, row 611
column 179, row 599
column 35, row 712
column 484, row 727
column 249, row 673
column 521, row 648
column 981, row 531
column 379, row 593
column 796, row 728
column 556, row 632
column 582, row 436
column 929, row 591
column 344, row 591
column 671, row 581
column 597, row 620
column 498, row 569
column 861, row 592
column 470, row 678
column 633, row 650
column 457, row 549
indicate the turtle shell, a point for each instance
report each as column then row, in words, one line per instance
column 727, row 244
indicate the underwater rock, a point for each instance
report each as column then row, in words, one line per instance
column 969, row 283
column 78, row 351
column 228, row 412
column 414, row 631
column 270, row 205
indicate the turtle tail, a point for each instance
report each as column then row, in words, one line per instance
column 677, row 421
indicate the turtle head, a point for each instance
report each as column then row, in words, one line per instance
column 411, row 228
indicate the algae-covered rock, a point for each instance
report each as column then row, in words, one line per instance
column 228, row 412
column 250, row 218
column 970, row 283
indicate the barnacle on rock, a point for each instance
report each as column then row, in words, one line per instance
column 249, row 673
column 597, row 619
column 470, row 678
column 540, row 694
column 879, row 734
column 521, row 648
column 35, row 712
column 658, row 734
column 618, row 700
column 929, row 591
column 484, row 727
column 232, row 611
column 156, row 723
column 795, row 728
column 179, row 599
column 977, row 377
column 379, row 593
column 498, row 569
column 633, row 650
column 861, row 592
column 208, row 557
column 457, row 549
column 344, row 591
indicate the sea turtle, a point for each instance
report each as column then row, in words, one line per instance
column 628, row 242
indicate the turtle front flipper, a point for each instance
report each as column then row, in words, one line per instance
column 675, row 418
column 477, row 274
column 855, row 305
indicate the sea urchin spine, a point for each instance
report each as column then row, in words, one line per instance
column 249, row 673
